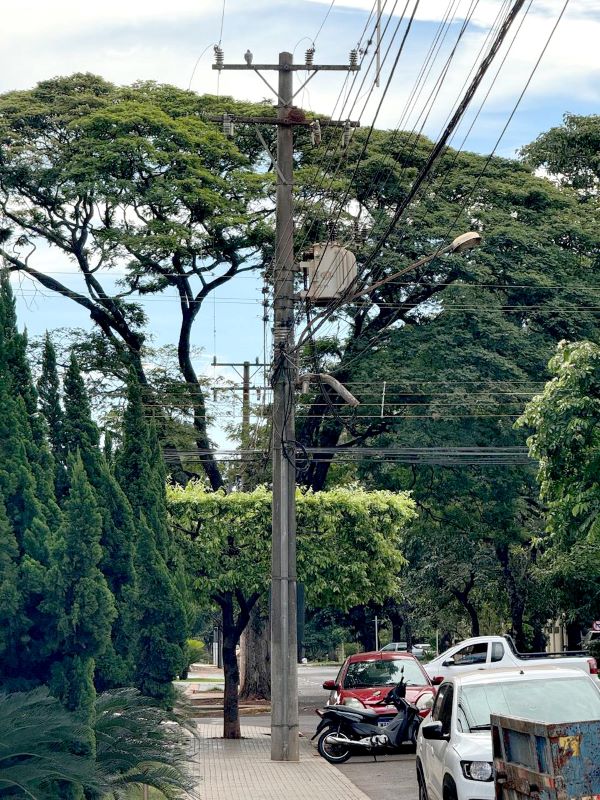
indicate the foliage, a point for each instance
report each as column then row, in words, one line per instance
column 227, row 541
column 80, row 437
column 79, row 608
column 132, row 177
column 160, row 611
column 36, row 734
column 140, row 744
column 195, row 652
column 230, row 541
column 323, row 636
column 571, row 154
column 565, row 421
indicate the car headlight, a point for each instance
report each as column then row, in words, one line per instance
column 477, row 770
column 354, row 702
column 425, row 701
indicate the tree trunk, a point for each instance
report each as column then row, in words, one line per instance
column 516, row 597
column 463, row 598
column 255, row 654
column 231, row 710
column 397, row 622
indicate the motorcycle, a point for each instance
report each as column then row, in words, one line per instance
column 345, row 730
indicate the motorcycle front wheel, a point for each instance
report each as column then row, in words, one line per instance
column 334, row 753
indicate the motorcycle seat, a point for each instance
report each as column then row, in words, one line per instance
column 364, row 712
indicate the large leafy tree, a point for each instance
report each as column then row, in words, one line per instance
column 512, row 298
column 227, row 540
column 134, row 178
column 570, row 153
column 447, row 354
column 565, row 420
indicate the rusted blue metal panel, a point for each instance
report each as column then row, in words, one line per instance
column 546, row 761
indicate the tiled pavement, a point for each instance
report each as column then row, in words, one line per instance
column 242, row 770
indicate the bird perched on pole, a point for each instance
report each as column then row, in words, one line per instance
column 248, row 57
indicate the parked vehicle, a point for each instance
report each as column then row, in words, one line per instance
column 365, row 678
column 394, row 647
column 346, row 730
column 591, row 637
column 454, row 744
column 420, row 650
column 499, row 652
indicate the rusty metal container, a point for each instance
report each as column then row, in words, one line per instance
column 546, row 761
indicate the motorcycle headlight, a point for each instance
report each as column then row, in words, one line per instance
column 425, row 701
column 354, row 702
column 477, row 770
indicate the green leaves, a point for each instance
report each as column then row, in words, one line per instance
column 565, row 424
column 36, row 736
column 349, row 541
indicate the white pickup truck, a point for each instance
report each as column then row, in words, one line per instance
column 499, row 652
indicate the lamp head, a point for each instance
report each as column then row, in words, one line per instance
column 466, row 241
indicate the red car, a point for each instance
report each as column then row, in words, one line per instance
column 365, row 678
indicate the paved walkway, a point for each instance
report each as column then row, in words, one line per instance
column 242, row 770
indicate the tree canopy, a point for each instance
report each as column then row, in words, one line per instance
column 565, row 420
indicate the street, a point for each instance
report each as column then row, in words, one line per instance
column 389, row 776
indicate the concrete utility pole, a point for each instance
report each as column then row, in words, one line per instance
column 284, row 680
column 245, row 432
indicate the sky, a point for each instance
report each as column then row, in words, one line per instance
column 172, row 42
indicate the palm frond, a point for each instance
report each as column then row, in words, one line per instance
column 36, row 734
column 140, row 744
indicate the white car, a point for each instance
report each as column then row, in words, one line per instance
column 454, row 745
column 499, row 652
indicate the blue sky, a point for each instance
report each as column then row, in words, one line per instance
column 153, row 39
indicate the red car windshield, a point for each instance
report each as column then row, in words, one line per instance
column 362, row 674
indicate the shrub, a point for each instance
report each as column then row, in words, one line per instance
column 195, row 652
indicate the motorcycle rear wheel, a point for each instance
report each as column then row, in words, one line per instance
column 334, row 753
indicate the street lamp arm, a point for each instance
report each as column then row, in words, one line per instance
column 338, row 387
column 465, row 241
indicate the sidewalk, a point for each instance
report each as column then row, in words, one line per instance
column 242, row 770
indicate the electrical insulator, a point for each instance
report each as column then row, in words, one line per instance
column 214, row 395
column 219, row 57
column 309, row 56
column 346, row 133
column 356, row 229
column 353, row 58
column 227, row 125
column 332, row 228
column 315, row 132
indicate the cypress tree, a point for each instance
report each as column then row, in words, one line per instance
column 24, row 534
column 48, row 388
column 161, row 610
column 80, row 607
column 18, row 373
column 13, row 620
column 78, row 599
column 162, row 622
column 80, row 435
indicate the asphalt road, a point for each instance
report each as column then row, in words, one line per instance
column 388, row 777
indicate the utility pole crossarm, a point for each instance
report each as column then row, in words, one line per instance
column 289, row 67
column 324, row 123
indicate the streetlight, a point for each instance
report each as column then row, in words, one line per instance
column 466, row 241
